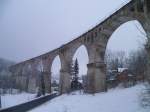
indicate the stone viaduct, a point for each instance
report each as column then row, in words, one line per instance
column 95, row 40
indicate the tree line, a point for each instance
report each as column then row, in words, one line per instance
column 135, row 61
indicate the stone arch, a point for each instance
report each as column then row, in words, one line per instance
column 139, row 29
column 21, row 77
column 54, row 59
column 33, row 76
column 112, row 27
column 21, row 73
column 116, row 24
column 96, row 51
column 55, row 63
column 84, row 49
column 81, row 53
column 66, row 55
column 27, row 75
column 46, row 62
column 75, row 47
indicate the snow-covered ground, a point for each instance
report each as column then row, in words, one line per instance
column 9, row 100
column 116, row 100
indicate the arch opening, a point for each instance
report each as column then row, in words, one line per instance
column 55, row 74
column 126, row 41
column 127, row 37
column 80, row 59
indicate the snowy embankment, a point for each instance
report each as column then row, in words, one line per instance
column 9, row 100
column 116, row 100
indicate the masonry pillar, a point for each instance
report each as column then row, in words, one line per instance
column 20, row 79
column 65, row 83
column 47, row 74
column 32, row 79
column 96, row 75
column 13, row 73
column 47, row 81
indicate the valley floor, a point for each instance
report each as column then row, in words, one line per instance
column 115, row 100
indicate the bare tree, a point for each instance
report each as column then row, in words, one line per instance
column 138, row 63
column 115, row 59
column 146, row 34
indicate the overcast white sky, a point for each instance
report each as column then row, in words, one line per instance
column 29, row 28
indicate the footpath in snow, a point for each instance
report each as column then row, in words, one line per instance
column 116, row 100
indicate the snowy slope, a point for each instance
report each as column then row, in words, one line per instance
column 12, row 100
column 118, row 100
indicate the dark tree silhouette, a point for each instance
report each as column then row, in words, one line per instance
column 75, row 82
column 42, row 85
column 76, row 69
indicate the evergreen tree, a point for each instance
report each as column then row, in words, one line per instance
column 75, row 72
column 76, row 69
